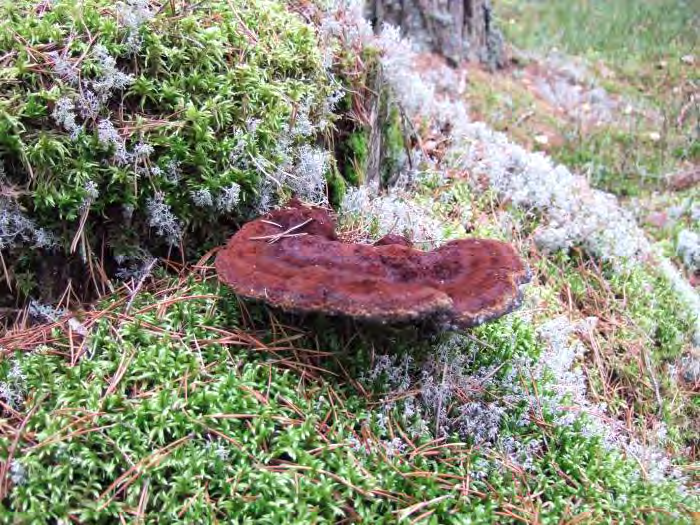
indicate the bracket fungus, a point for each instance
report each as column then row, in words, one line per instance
column 293, row 259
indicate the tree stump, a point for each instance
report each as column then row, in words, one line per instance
column 460, row 30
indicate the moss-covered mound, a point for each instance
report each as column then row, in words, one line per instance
column 140, row 125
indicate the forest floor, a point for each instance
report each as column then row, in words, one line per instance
column 172, row 400
column 612, row 90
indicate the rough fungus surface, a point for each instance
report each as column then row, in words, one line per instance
column 292, row 259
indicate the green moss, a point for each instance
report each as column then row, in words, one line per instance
column 167, row 413
column 355, row 152
column 336, row 187
column 393, row 142
column 619, row 161
column 645, row 328
column 639, row 295
column 212, row 90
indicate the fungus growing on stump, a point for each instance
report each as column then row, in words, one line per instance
column 292, row 259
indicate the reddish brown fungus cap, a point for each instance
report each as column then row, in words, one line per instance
column 292, row 259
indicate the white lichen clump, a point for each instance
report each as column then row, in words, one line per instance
column 18, row 473
column 110, row 78
column 574, row 214
column 415, row 94
column 308, row 180
column 15, row 227
column 373, row 217
column 163, row 220
column 228, row 198
column 134, row 14
column 12, row 391
column 688, row 247
column 345, row 20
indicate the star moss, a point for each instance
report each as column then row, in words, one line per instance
column 189, row 409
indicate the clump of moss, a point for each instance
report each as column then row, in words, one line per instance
column 134, row 126
column 393, row 142
column 355, row 152
column 337, row 186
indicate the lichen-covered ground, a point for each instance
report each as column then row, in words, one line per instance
column 171, row 400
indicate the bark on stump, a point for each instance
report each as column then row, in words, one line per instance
column 457, row 29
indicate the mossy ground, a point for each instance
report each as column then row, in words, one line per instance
column 188, row 404
column 181, row 403
column 644, row 55
column 194, row 407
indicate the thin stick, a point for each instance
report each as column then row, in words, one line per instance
column 7, row 274
column 475, row 339
column 146, row 273
column 286, row 233
column 13, row 447
column 439, row 407
column 81, row 227
column 274, row 238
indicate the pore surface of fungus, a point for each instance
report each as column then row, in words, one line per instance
column 292, row 259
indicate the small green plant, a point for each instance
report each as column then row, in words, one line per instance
column 394, row 142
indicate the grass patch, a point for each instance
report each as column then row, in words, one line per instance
column 641, row 53
column 626, row 33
